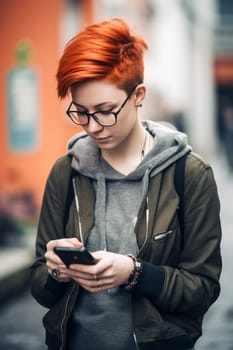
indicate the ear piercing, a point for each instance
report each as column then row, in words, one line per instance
column 139, row 105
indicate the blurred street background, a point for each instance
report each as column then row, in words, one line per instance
column 189, row 78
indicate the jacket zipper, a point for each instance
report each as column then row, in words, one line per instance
column 134, row 335
column 71, row 292
column 147, row 226
column 135, row 340
column 144, row 243
column 64, row 317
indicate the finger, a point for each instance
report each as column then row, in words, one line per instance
column 104, row 260
column 59, row 276
column 98, row 269
column 95, row 285
column 85, row 271
column 76, row 242
column 69, row 242
column 89, row 280
column 52, row 258
column 64, row 242
column 61, row 268
column 81, row 275
column 100, row 287
column 93, row 289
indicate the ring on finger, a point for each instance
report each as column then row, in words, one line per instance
column 55, row 273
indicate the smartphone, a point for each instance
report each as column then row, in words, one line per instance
column 75, row 256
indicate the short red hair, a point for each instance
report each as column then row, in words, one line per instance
column 106, row 50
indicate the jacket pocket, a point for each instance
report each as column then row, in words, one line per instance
column 162, row 235
column 164, row 247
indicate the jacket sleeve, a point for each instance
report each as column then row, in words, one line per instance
column 193, row 285
column 44, row 288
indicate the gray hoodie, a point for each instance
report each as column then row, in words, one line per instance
column 118, row 198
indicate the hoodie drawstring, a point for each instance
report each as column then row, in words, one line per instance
column 78, row 210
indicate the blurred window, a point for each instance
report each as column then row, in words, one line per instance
column 225, row 12
column 225, row 7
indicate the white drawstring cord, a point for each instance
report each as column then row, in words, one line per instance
column 78, row 210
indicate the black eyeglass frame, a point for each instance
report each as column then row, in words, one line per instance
column 93, row 115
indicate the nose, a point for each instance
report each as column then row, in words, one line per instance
column 93, row 127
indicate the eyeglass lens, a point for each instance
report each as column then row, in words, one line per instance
column 82, row 118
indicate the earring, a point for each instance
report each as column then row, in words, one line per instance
column 139, row 105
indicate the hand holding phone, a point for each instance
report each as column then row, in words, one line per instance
column 75, row 256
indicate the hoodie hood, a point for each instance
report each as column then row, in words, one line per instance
column 169, row 145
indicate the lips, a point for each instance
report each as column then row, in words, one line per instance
column 102, row 139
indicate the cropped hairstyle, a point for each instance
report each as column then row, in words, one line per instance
column 106, row 50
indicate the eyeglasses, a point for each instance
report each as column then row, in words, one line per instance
column 103, row 118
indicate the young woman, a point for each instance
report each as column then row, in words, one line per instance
column 153, row 278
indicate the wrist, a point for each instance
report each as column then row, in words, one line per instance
column 134, row 275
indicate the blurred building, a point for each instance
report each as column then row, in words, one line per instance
column 188, row 73
column 223, row 64
column 34, row 129
column 189, row 63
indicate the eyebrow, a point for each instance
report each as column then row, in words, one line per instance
column 95, row 106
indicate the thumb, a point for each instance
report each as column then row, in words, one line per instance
column 75, row 242
column 99, row 254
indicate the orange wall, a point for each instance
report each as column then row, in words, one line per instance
column 39, row 21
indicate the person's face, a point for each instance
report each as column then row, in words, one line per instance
column 101, row 96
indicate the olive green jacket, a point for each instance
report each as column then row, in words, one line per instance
column 192, row 274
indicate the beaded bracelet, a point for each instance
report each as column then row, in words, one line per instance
column 135, row 274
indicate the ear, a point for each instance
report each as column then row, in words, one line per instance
column 140, row 93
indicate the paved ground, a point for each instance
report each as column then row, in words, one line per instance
column 20, row 321
column 20, row 324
